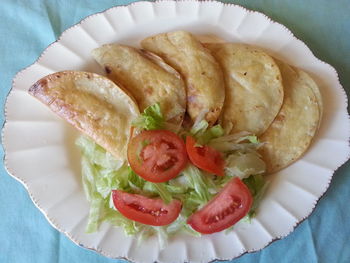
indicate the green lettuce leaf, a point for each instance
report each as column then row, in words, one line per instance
column 158, row 189
column 96, row 207
column 243, row 142
column 252, row 139
column 257, row 186
column 244, row 165
column 199, row 128
column 151, row 118
column 96, row 154
column 200, row 192
column 203, row 134
column 115, row 218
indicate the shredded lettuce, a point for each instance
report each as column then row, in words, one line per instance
column 159, row 189
column 216, row 132
column 151, row 118
column 116, row 219
column 211, row 133
column 97, row 154
column 242, row 141
column 96, row 207
column 195, row 181
column 244, row 165
column 252, row 139
column 199, row 128
column 203, row 134
column 257, row 185
column 102, row 173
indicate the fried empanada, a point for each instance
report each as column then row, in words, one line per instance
column 292, row 131
column 254, row 90
column 201, row 72
column 91, row 103
column 146, row 77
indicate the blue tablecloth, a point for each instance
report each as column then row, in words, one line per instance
column 27, row 27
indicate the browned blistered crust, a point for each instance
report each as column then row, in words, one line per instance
column 92, row 104
column 146, row 77
column 202, row 74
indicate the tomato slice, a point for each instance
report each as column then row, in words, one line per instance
column 230, row 205
column 146, row 210
column 205, row 157
column 157, row 155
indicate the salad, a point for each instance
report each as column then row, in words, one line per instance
column 199, row 180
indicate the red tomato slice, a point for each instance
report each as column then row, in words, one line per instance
column 205, row 157
column 146, row 210
column 157, row 155
column 230, row 205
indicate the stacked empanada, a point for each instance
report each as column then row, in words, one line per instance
column 237, row 85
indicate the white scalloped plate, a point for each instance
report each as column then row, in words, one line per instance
column 40, row 149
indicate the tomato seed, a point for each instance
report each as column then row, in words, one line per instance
column 236, row 203
column 142, row 209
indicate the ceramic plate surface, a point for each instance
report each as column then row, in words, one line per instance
column 45, row 159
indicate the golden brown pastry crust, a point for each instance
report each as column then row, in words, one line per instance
column 147, row 77
column 201, row 72
column 254, row 90
column 292, row 131
column 91, row 103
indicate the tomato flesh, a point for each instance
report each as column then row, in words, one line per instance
column 205, row 157
column 146, row 210
column 230, row 205
column 157, row 155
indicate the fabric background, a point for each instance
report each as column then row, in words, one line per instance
column 28, row 27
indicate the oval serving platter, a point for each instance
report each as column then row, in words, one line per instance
column 46, row 160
